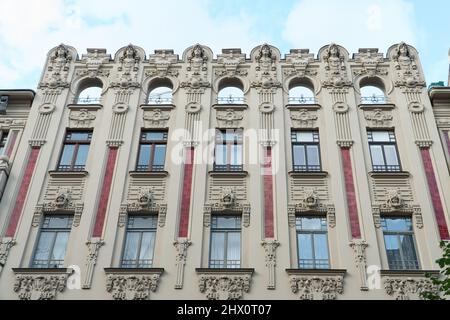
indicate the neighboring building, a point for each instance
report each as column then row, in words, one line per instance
column 14, row 109
column 326, row 169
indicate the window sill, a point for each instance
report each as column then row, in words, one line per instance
column 134, row 270
column 236, row 106
column 309, row 106
column 149, row 174
column 318, row 272
column 68, row 174
column 408, row 273
column 308, row 174
column 371, row 106
column 42, row 270
column 240, row 174
column 152, row 106
column 89, row 106
column 234, row 271
column 389, row 174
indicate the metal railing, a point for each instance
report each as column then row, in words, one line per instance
column 313, row 264
column 403, row 264
column 159, row 100
column 302, row 100
column 232, row 264
column 386, row 168
column 307, row 168
column 147, row 167
column 62, row 167
column 48, row 263
column 373, row 99
column 87, row 100
column 228, row 167
column 147, row 263
column 230, row 100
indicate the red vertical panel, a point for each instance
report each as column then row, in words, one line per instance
column 434, row 192
column 12, row 141
column 186, row 196
column 23, row 191
column 351, row 194
column 106, row 190
column 268, row 194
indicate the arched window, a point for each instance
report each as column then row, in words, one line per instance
column 372, row 95
column 231, row 91
column 89, row 92
column 301, row 95
column 160, row 91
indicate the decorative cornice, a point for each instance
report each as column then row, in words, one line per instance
column 312, row 106
column 231, row 174
column 372, row 106
column 308, row 174
column 68, row 174
column 234, row 106
column 149, row 106
column 148, row 174
column 390, row 174
column 88, row 106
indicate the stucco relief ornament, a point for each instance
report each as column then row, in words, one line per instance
column 156, row 118
column 370, row 61
column 378, row 118
column 394, row 200
column 228, row 198
column 58, row 68
column 229, row 117
column 161, row 64
column 303, row 118
column 82, row 118
column 229, row 63
column 298, row 63
column 266, row 68
column 94, row 61
column 127, row 70
column 336, row 73
column 407, row 71
column 224, row 287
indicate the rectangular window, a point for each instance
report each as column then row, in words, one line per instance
column 312, row 243
column 305, row 151
column 228, row 153
column 152, row 151
column 399, row 241
column 139, row 241
column 383, row 151
column 225, row 251
column 75, row 151
column 3, row 140
column 52, row 244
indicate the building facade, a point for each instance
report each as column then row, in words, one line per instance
column 227, row 177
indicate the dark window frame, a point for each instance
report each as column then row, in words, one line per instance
column 220, row 139
column 4, row 135
column 393, row 142
column 76, row 143
column 152, row 143
column 316, row 142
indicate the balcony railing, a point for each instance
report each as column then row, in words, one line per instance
column 78, row 167
column 307, row 168
column 228, row 167
column 87, row 100
column 48, row 263
column 231, row 264
column 386, row 168
column 145, row 263
column 159, row 100
column 373, row 99
column 403, row 265
column 302, row 100
column 313, row 264
column 230, row 100
column 147, row 167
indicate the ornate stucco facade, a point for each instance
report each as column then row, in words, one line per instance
column 265, row 191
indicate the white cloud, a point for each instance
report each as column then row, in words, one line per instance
column 33, row 27
column 351, row 23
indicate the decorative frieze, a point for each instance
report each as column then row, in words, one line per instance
column 94, row 63
column 224, row 284
column 82, row 118
column 40, row 284
column 162, row 64
column 229, row 118
column 316, row 284
column 132, row 284
column 406, row 285
column 300, row 63
column 303, row 118
column 378, row 118
column 156, row 117
column 231, row 63
column 370, row 63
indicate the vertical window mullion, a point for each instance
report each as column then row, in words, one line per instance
column 52, row 247
column 152, row 156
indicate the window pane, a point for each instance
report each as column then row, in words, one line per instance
column 60, row 222
column 142, row 222
column 377, row 155
column 147, row 247
column 397, row 224
column 155, row 136
column 59, row 249
column 82, row 154
column 391, row 155
column 321, row 246
column 234, row 249
column 310, row 223
column 44, row 246
column 131, row 246
column 144, row 155
column 305, row 136
column 217, row 246
column 78, row 136
column 409, row 252
column 304, row 246
column 66, row 157
column 160, row 155
column 236, row 154
column 299, row 155
column 380, row 136
column 220, row 155
column 231, row 222
column 313, row 155
column 393, row 252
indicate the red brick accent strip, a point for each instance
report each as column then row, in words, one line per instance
column 434, row 192
column 351, row 195
column 268, row 194
column 186, row 196
column 106, row 189
column 23, row 191
column 12, row 141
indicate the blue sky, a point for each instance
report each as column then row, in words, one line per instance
column 31, row 28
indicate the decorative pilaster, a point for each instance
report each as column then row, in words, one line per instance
column 93, row 249
column 359, row 251
column 270, row 249
column 181, row 246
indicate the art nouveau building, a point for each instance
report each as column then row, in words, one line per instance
column 227, row 177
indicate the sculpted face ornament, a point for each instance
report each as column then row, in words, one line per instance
column 229, row 199
column 62, row 200
column 146, row 200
